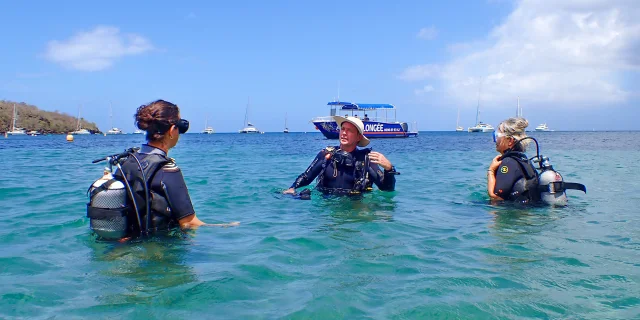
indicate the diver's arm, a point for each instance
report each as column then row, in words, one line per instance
column 491, row 178
column 491, row 185
column 385, row 180
column 190, row 222
column 308, row 175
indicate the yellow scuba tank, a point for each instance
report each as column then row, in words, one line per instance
column 107, row 208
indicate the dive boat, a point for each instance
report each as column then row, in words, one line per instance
column 15, row 131
column 378, row 126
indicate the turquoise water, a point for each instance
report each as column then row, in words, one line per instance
column 433, row 249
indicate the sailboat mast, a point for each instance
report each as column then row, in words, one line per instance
column 478, row 108
column 246, row 112
column 15, row 116
column 111, row 114
column 78, row 124
column 458, row 119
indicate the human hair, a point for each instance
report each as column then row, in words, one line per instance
column 515, row 128
column 156, row 118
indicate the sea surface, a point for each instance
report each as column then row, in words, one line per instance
column 433, row 249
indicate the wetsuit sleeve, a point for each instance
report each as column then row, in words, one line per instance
column 386, row 181
column 311, row 173
column 506, row 176
column 176, row 191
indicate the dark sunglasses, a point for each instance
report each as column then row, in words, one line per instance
column 183, row 125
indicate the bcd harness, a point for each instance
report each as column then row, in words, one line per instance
column 343, row 160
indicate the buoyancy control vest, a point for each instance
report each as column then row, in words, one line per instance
column 117, row 212
column 357, row 166
column 546, row 186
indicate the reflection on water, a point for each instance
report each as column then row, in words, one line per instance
column 143, row 268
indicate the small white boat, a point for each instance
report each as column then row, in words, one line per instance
column 458, row 127
column 79, row 129
column 249, row 127
column 286, row 129
column 542, row 127
column 138, row 131
column 481, row 127
column 114, row 131
column 207, row 128
column 15, row 131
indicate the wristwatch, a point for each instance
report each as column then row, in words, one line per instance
column 392, row 171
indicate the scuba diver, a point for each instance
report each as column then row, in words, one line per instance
column 345, row 169
column 148, row 192
column 512, row 175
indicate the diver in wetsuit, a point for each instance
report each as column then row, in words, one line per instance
column 345, row 169
column 512, row 176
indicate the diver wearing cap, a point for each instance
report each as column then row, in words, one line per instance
column 512, row 175
column 345, row 169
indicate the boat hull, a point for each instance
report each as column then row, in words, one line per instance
column 372, row 129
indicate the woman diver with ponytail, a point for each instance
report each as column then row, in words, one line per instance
column 157, row 196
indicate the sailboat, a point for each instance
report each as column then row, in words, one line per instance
column 458, row 127
column 113, row 129
column 286, row 129
column 15, row 130
column 480, row 126
column 79, row 129
column 249, row 127
column 207, row 129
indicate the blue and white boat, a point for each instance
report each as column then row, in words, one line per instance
column 377, row 123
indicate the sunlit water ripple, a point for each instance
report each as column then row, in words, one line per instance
column 434, row 248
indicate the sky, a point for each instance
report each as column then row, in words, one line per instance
column 573, row 64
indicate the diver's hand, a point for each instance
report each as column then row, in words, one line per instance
column 495, row 163
column 379, row 159
column 289, row 191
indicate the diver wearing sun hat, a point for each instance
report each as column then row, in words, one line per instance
column 345, row 169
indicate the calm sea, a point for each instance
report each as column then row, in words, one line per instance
column 433, row 249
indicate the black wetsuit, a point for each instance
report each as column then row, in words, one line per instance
column 169, row 197
column 337, row 177
column 515, row 178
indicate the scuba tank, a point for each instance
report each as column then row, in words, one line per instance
column 548, row 179
column 546, row 184
column 107, row 208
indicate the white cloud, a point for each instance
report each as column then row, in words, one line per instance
column 97, row 49
column 420, row 72
column 570, row 52
column 424, row 90
column 428, row 33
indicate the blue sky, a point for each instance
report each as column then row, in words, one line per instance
column 574, row 65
